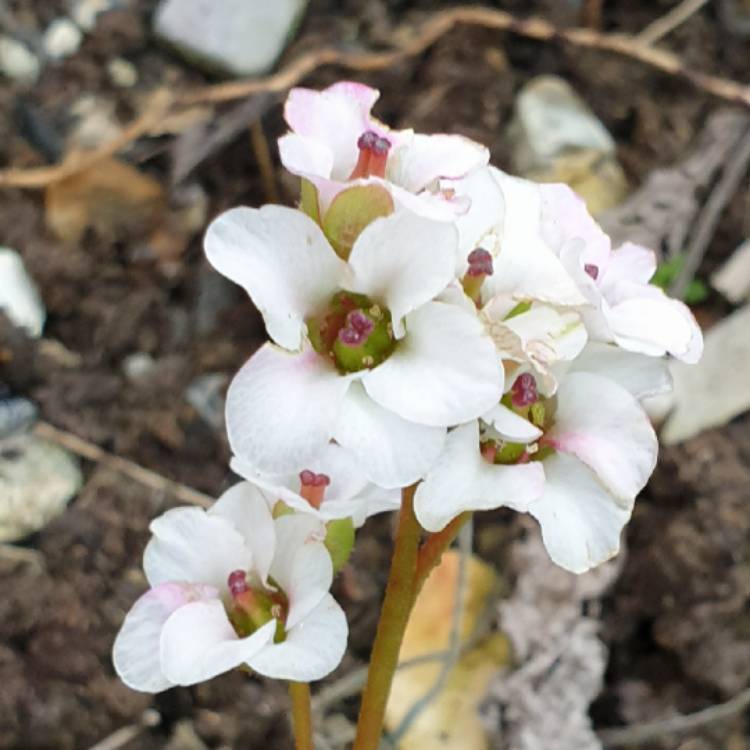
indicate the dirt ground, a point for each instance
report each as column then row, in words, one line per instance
column 677, row 621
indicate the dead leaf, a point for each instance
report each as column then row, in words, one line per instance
column 450, row 720
column 111, row 197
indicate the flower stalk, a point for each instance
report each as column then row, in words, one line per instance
column 299, row 692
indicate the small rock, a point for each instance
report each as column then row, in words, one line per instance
column 239, row 37
column 715, row 390
column 17, row 61
column 19, row 296
column 557, row 138
column 138, row 366
column 206, row 395
column 216, row 295
column 184, row 737
column 733, row 278
column 37, row 480
column 85, row 12
column 62, row 39
column 122, row 73
column 16, row 413
column 95, row 122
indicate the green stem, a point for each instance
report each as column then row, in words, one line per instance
column 394, row 616
column 299, row 692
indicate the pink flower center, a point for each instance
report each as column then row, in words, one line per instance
column 523, row 392
column 356, row 330
column 313, row 487
column 237, row 583
column 592, row 270
column 373, row 155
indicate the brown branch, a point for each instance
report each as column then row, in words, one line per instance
column 667, row 23
column 640, row 733
column 130, row 469
column 437, row 26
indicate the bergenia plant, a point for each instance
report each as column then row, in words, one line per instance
column 444, row 339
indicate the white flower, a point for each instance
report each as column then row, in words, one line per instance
column 625, row 308
column 362, row 353
column 335, row 140
column 232, row 587
column 333, row 487
column 575, row 461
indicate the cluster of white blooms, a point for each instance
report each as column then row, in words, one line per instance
column 434, row 321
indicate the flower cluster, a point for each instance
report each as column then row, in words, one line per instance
column 433, row 321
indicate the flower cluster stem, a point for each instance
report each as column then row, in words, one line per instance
column 394, row 616
column 299, row 692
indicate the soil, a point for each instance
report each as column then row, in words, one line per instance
column 677, row 621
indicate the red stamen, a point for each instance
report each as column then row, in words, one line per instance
column 480, row 263
column 313, row 487
column 523, row 391
column 592, row 270
column 237, row 583
column 373, row 155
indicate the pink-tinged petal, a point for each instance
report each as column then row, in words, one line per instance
column 526, row 266
column 282, row 259
column 304, row 156
column 604, row 426
column 312, row 649
column 511, row 426
column 644, row 319
column 198, row 642
column 135, row 654
column 189, row 545
column 425, row 158
column 581, row 522
column 630, row 262
column 403, row 280
column 462, row 480
column 281, row 409
column 392, row 451
column 445, row 371
column 302, row 566
column 335, row 117
column 247, row 510
column 428, row 205
column 638, row 374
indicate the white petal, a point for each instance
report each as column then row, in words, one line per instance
column 136, row 650
column 282, row 259
column 511, row 426
column 305, row 156
column 312, row 649
column 247, row 510
column 526, row 266
column 189, row 545
column 281, row 409
column 638, row 374
column 462, row 480
column 403, row 261
column 581, row 522
column 630, row 262
column 302, row 566
column 392, row 451
column 443, row 372
column 198, row 642
column 604, row 426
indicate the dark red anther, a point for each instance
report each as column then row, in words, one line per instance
column 237, row 583
column 480, row 263
column 523, row 391
column 356, row 329
column 313, row 486
column 373, row 155
column 592, row 270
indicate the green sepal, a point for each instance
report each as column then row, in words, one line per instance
column 509, row 453
column 308, row 200
column 339, row 541
column 519, row 309
column 351, row 211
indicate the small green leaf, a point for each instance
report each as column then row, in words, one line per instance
column 339, row 541
column 308, row 200
column 351, row 211
column 669, row 270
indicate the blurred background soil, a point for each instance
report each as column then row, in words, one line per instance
column 137, row 320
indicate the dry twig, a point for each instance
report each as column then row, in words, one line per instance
column 640, row 733
column 437, row 26
column 123, row 466
column 667, row 23
column 125, row 735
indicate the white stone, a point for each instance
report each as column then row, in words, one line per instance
column 85, row 12
column 715, row 390
column 240, row 37
column 19, row 297
column 138, row 366
column 37, row 480
column 122, row 73
column 17, row 61
column 62, row 39
column 733, row 278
